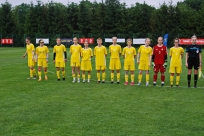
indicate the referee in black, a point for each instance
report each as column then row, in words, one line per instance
column 193, row 60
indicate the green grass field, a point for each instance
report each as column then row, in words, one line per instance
column 51, row 108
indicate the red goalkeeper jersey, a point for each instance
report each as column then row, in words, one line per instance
column 159, row 54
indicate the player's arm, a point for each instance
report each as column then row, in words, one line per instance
column 200, row 59
column 138, row 57
column 182, row 51
column 47, row 55
column 187, row 50
column 91, row 53
column 33, row 55
column 54, row 54
column 105, row 52
column 120, row 52
column 25, row 54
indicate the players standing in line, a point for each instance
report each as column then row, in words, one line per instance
column 75, row 51
column 86, row 54
column 159, row 60
column 59, row 58
column 144, row 59
column 100, row 54
column 193, row 59
column 30, row 51
column 129, row 54
column 176, row 55
column 42, row 57
column 115, row 53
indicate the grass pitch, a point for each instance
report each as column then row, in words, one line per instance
column 51, row 108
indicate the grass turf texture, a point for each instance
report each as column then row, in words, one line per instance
column 29, row 107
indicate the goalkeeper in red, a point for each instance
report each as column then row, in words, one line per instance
column 159, row 60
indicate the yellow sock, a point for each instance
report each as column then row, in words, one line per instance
column 78, row 75
column 63, row 74
column 83, row 76
column 118, row 77
column 34, row 72
column 39, row 74
column 126, row 78
column 171, row 79
column 58, row 74
column 74, row 76
column 177, row 80
column 147, row 78
column 89, row 77
column 45, row 73
column 132, row 78
column 31, row 73
column 98, row 76
column 112, row 76
column 140, row 78
column 103, row 76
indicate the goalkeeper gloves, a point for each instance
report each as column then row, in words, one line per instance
column 153, row 64
column 165, row 64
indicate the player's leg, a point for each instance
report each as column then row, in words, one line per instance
column 132, row 77
column 78, row 73
column 156, row 70
column 103, row 74
column 196, row 67
column 172, row 72
column 73, row 74
column 45, row 72
column 39, row 73
column 126, row 68
column 118, row 67
column 83, row 76
column 147, row 77
column 140, row 77
column 141, row 68
column 190, row 66
column 63, row 73
column 57, row 65
column 162, row 70
column 45, row 65
column 178, row 72
column 112, row 67
column 89, row 76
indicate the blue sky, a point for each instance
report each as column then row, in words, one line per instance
column 129, row 2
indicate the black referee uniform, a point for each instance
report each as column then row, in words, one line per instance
column 193, row 61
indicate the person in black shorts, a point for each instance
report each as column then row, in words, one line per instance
column 193, row 60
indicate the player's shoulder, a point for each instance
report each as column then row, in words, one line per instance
column 142, row 46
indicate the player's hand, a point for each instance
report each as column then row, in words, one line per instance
column 53, row 61
column 24, row 56
column 138, row 62
column 153, row 64
column 65, row 60
column 165, row 64
column 187, row 65
column 46, row 61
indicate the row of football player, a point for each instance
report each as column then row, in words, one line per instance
column 157, row 57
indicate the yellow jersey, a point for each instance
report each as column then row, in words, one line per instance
column 145, row 53
column 86, row 54
column 29, row 49
column 100, row 54
column 59, row 50
column 175, row 54
column 129, row 54
column 75, row 51
column 115, row 51
column 42, row 52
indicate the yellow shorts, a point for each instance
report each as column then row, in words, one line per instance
column 86, row 65
column 75, row 64
column 115, row 64
column 129, row 67
column 143, row 66
column 31, row 63
column 173, row 69
column 101, row 67
column 60, row 64
column 42, row 63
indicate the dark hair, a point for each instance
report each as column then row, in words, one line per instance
column 28, row 38
column 58, row 38
column 176, row 39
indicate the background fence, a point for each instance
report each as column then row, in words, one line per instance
column 19, row 39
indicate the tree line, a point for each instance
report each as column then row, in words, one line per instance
column 103, row 19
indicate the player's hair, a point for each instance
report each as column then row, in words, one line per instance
column 194, row 36
column 114, row 37
column 39, row 41
column 86, row 41
column 75, row 37
column 176, row 39
column 58, row 38
column 99, row 39
column 147, row 39
column 129, row 39
column 160, row 37
column 28, row 38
